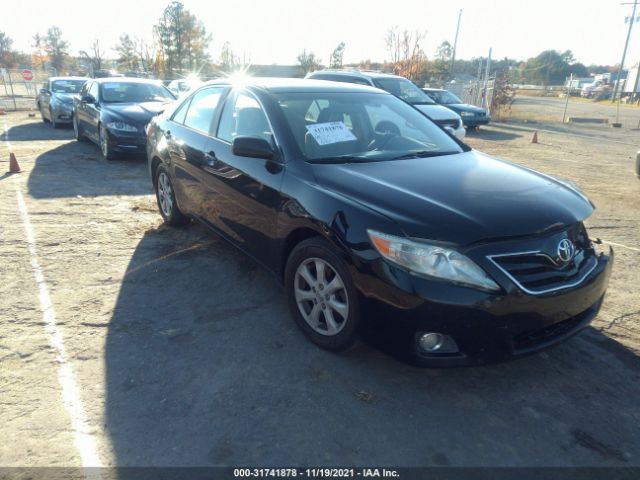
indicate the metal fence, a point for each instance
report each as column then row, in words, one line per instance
column 18, row 93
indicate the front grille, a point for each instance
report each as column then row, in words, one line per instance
column 447, row 123
column 542, row 271
column 538, row 273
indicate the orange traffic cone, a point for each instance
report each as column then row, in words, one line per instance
column 535, row 137
column 13, row 164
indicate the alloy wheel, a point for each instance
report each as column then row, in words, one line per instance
column 321, row 296
column 104, row 145
column 165, row 194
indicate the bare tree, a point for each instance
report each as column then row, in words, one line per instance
column 407, row 56
column 308, row 61
column 6, row 54
column 94, row 56
column 127, row 53
column 229, row 61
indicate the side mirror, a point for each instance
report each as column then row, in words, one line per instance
column 87, row 99
column 253, row 147
column 45, row 91
column 450, row 130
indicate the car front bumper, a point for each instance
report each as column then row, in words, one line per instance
column 63, row 114
column 487, row 327
column 476, row 121
column 133, row 142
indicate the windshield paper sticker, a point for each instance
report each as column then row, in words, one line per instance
column 331, row 132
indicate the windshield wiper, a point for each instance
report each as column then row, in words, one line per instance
column 423, row 154
column 339, row 159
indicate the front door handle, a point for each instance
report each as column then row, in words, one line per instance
column 210, row 158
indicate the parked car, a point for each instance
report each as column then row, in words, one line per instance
column 184, row 85
column 401, row 88
column 55, row 99
column 114, row 112
column 472, row 116
column 370, row 214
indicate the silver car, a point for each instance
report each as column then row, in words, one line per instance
column 55, row 100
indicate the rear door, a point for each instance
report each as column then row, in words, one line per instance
column 92, row 112
column 188, row 134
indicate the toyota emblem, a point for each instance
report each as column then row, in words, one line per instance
column 566, row 249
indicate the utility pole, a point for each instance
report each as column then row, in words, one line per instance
column 455, row 44
column 624, row 52
column 486, row 81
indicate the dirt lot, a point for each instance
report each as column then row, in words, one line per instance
column 166, row 347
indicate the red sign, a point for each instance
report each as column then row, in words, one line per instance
column 27, row 75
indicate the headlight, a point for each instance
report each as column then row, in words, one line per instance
column 431, row 260
column 123, row 127
column 467, row 114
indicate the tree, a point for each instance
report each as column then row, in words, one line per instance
column 440, row 68
column 308, row 61
column 56, row 48
column 6, row 54
column 39, row 56
column 127, row 53
column 552, row 68
column 336, row 56
column 229, row 61
column 182, row 40
column 407, row 57
column 94, row 56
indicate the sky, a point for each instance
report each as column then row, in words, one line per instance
column 276, row 31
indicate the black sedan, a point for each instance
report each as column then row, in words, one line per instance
column 472, row 116
column 114, row 113
column 373, row 217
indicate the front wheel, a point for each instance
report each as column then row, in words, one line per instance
column 52, row 118
column 322, row 297
column 107, row 150
column 44, row 118
column 77, row 133
column 166, row 198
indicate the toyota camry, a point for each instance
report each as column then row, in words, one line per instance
column 369, row 214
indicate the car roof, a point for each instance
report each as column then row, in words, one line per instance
column 358, row 73
column 70, row 77
column 287, row 85
column 126, row 80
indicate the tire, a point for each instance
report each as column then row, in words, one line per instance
column 44, row 119
column 331, row 316
column 107, row 150
column 77, row 132
column 166, row 199
column 54, row 124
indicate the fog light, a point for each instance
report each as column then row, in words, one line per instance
column 431, row 342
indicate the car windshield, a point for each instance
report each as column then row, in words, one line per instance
column 67, row 86
column 354, row 127
column 404, row 89
column 134, row 92
column 444, row 97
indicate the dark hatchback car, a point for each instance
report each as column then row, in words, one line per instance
column 114, row 112
column 472, row 116
column 464, row 258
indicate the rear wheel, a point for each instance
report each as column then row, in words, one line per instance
column 166, row 198
column 322, row 297
column 107, row 150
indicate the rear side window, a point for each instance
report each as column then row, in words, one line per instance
column 202, row 108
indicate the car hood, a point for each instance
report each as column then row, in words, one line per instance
column 438, row 112
column 465, row 107
column 461, row 199
column 136, row 112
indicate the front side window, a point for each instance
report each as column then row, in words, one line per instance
column 243, row 117
column 348, row 126
column 445, row 97
column 201, row 109
column 93, row 90
column 134, row 92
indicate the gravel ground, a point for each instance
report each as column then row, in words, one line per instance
column 184, row 353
